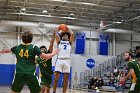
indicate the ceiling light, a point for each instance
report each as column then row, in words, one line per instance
column 45, row 11
column 21, row 13
column 59, row 0
column 69, row 18
column 49, row 15
column 117, row 22
column 71, row 14
column 23, row 9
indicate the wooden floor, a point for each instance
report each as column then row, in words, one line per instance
column 6, row 89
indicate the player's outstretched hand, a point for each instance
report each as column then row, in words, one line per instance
column 56, row 51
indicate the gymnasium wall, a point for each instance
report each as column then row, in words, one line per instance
column 9, row 39
column 7, row 61
column 79, row 63
column 124, row 42
column 92, row 43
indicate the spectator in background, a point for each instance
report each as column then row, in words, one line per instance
column 75, row 80
column 115, row 70
column 139, row 60
column 101, row 82
column 118, row 72
column 118, row 77
column 112, row 79
column 138, row 53
column 126, row 69
column 108, row 74
column 97, row 83
column 91, row 82
column 122, row 83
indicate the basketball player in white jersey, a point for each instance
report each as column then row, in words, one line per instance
column 64, row 41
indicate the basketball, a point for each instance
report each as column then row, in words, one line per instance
column 63, row 27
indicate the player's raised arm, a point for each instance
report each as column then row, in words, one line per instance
column 52, row 42
column 71, row 35
column 5, row 51
column 50, row 55
column 58, row 34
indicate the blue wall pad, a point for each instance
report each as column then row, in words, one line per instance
column 80, row 46
column 103, row 48
column 6, row 73
column 103, row 44
column 80, row 43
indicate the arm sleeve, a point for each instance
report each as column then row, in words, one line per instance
column 13, row 49
column 37, row 51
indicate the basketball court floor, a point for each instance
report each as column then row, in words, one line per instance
column 6, row 89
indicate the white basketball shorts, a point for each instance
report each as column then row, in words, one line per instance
column 62, row 65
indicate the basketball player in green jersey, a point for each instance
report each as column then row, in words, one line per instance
column 46, row 67
column 25, row 66
column 134, row 72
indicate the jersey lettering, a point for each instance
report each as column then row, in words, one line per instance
column 21, row 53
column 45, row 64
column 24, row 54
column 65, row 47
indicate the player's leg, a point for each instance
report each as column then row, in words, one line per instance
column 33, row 84
column 47, row 89
column 58, row 69
column 14, row 92
column 43, row 89
column 65, row 82
column 66, row 71
column 56, row 77
column 18, row 83
column 46, row 81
